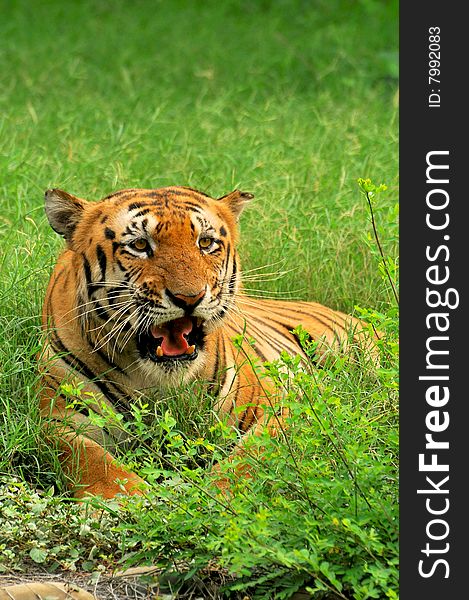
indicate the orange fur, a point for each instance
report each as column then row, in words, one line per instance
column 148, row 294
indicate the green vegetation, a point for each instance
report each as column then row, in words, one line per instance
column 290, row 100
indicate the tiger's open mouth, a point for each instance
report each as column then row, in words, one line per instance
column 176, row 340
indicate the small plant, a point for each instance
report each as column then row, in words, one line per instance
column 313, row 509
column 320, row 512
column 38, row 528
column 387, row 265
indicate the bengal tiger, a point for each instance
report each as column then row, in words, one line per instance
column 146, row 295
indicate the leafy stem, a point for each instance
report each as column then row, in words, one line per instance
column 369, row 190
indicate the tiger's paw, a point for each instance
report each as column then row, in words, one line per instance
column 129, row 485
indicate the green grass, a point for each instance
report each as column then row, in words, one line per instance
column 291, row 100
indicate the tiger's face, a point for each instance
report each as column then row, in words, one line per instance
column 159, row 270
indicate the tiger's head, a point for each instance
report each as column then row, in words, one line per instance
column 158, row 271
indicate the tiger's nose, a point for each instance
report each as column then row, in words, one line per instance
column 186, row 302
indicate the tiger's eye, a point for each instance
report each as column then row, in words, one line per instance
column 205, row 243
column 141, row 245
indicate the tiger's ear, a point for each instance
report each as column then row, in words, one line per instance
column 236, row 201
column 64, row 211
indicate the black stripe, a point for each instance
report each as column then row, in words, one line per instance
column 327, row 325
column 217, row 360
column 175, row 192
column 102, row 261
column 194, row 207
column 47, row 376
column 288, row 331
column 155, row 194
column 128, row 253
column 111, row 296
column 76, row 364
column 80, row 303
column 249, row 411
column 87, row 269
column 109, row 233
column 223, row 361
column 135, row 205
column 142, row 212
column 199, row 193
column 121, row 266
column 264, row 336
column 261, row 355
column 108, row 361
column 105, row 316
column 101, row 311
column 132, row 271
column 226, row 266
column 122, row 194
column 263, row 323
column 159, row 227
column 232, row 282
column 220, row 371
column 90, row 285
column 131, row 229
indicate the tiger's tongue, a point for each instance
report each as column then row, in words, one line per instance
column 172, row 333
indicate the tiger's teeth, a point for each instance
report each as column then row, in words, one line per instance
column 191, row 349
column 198, row 322
column 159, row 351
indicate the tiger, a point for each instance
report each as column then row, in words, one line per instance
column 148, row 295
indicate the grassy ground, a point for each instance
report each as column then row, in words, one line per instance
column 291, row 100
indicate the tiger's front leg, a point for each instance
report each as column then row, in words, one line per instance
column 90, row 468
column 94, row 471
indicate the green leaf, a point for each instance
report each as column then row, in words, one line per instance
column 38, row 555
